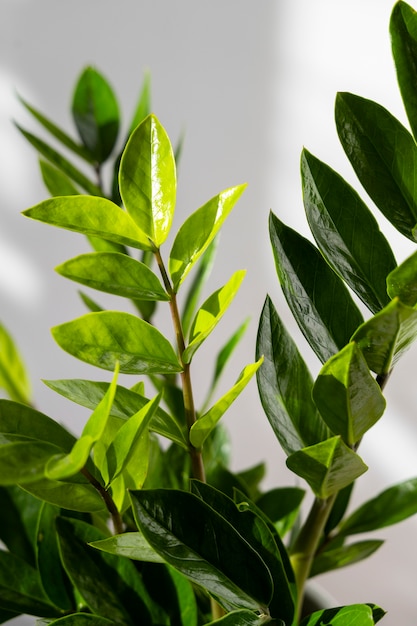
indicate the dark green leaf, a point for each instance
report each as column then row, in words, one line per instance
column 319, row 301
column 339, row 508
column 17, row 524
column 403, row 31
column 347, row 396
column 147, row 180
column 61, row 163
column 386, row 336
column 346, row 232
column 198, row 231
column 353, row 615
column 74, row 496
column 90, row 215
column 293, row 416
column 82, row 619
column 96, row 114
column 327, row 467
column 244, row 618
column 202, row 545
column 13, row 375
column 384, row 157
column 402, row 281
column 24, row 462
column 389, row 507
column 341, row 557
column 102, row 339
column 281, row 505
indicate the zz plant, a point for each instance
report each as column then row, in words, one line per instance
column 114, row 527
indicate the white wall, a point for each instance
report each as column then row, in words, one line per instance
column 251, row 83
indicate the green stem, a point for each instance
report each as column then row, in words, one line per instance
column 306, row 544
column 197, row 465
column 108, row 500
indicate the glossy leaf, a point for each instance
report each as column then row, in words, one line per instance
column 384, row 157
column 403, row 31
column 341, row 557
column 92, row 216
column 347, row 396
column 386, row 336
column 102, row 339
column 96, row 114
column 281, row 505
column 126, row 402
column 202, row 545
column 114, row 273
column 293, row 416
column 353, row 615
column 244, row 618
column 198, row 231
column 132, row 545
column 402, row 281
column 65, row 465
column 147, row 180
column 61, row 163
column 74, row 496
column 56, row 182
column 57, row 132
column 210, row 313
column 205, row 424
column 319, row 301
column 13, row 375
column 327, row 467
column 389, row 507
column 346, row 232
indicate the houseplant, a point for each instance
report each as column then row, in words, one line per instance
column 212, row 549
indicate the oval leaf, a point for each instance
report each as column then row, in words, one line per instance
column 102, row 339
column 329, row 560
column 132, row 545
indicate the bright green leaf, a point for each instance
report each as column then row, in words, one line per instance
column 293, row 416
column 90, row 215
column 346, row 232
column 347, row 396
column 96, row 114
column 353, row 615
column 102, row 339
column 328, row 467
column 114, row 273
column 56, row 182
column 386, row 336
column 210, row 313
column 13, row 375
column 198, row 231
column 147, row 180
column 132, row 545
column 402, row 281
column 328, row 560
column 202, row 428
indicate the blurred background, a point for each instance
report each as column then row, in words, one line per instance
column 250, row 84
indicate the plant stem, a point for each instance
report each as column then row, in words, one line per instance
column 197, row 465
column 108, row 500
column 305, row 546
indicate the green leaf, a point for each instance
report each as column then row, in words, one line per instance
column 80, row 619
column 126, row 402
column 92, row 216
column 57, row 132
column 74, row 496
column 204, row 268
column 403, row 31
column 198, row 231
column 132, row 545
column 341, row 557
column 202, row 428
column 96, row 114
column 244, row 618
column 24, row 462
column 114, row 273
column 56, row 182
column 386, row 336
column 103, row 338
column 202, row 545
column 13, row 375
column 91, row 304
column 17, row 530
column 210, row 313
column 347, row 396
column 353, row 615
column 319, row 301
column 65, row 465
column 109, row 585
column 124, row 450
column 346, row 232
column 281, row 505
column 384, row 156
column 20, row 589
column 389, row 507
column 61, row 163
column 328, row 467
column 147, row 180
column 402, row 281
column 293, row 416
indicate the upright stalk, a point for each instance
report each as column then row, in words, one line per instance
column 197, row 465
